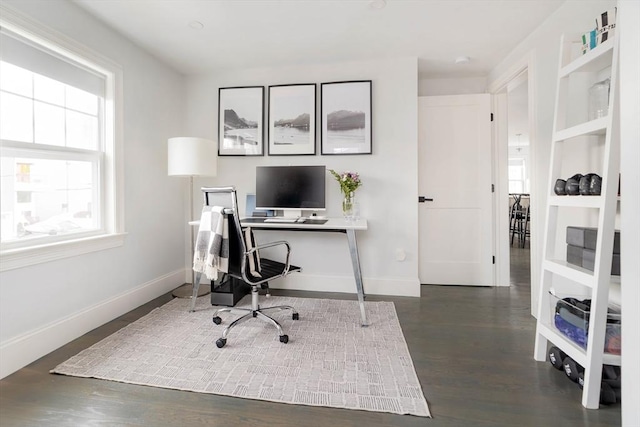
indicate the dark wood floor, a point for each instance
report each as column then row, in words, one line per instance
column 472, row 349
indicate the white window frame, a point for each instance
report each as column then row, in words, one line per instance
column 522, row 164
column 110, row 167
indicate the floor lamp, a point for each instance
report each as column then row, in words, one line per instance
column 190, row 157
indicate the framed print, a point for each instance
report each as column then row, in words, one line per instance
column 292, row 119
column 240, row 121
column 345, row 110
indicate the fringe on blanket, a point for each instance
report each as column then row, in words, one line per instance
column 211, row 253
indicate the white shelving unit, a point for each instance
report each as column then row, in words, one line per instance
column 554, row 266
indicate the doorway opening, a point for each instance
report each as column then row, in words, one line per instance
column 519, row 180
column 515, row 175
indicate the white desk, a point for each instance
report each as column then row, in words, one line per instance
column 336, row 225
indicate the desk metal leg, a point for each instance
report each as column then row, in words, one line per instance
column 355, row 261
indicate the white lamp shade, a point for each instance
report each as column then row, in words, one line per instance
column 190, row 156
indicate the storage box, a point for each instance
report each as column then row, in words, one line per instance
column 576, row 236
column 585, row 258
column 571, row 317
column 586, row 237
column 589, row 258
column 574, row 255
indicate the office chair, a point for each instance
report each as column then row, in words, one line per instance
column 520, row 217
column 242, row 260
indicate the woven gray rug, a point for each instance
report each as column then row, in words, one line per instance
column 329, row 361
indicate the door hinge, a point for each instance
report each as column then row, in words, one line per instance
column 494, row 259
column 493, row 188
column 491, row 116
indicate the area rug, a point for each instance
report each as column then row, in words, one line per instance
column 330, row 359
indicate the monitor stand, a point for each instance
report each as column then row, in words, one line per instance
column 291, row 213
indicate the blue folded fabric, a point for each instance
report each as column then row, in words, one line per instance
column 570, row 317
column 575, row 334
column 580, row 335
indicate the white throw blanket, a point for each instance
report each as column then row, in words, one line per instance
column 211, row 254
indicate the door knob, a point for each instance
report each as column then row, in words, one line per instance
column 422, row 199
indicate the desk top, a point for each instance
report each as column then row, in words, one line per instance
column 337, row 223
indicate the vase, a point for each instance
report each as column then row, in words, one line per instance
column 350, row 207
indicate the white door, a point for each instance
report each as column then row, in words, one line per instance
column 455, row 219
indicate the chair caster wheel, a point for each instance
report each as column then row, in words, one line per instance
column 283, row 339
column 295, row 316
column 217, row 320
column 221, row 342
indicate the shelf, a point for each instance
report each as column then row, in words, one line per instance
column 592, row 127
column 603, row 132
column 576, row 201
column 595, row 60
column 576, row 273
column 573, row 350
column 570, row 271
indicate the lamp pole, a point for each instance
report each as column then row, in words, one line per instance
column 186, row 290
column 188, row 156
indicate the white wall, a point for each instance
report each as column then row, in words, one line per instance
column 518, row 128
column 630, row 234
column 47, row 305
column 452, row 86
column 388, row 196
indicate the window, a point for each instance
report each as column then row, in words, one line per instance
column 58, row 144
column 517, row 176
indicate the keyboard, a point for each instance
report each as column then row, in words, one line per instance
column 253, row 219
column 278, row 219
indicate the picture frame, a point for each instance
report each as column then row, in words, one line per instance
column 292, row 119
column 345, row 112
column 241, row 121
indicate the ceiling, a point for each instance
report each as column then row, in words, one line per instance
column 272, row 33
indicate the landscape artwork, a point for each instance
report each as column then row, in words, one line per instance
column 346, row 117
column 240, row 121
column 292, row 114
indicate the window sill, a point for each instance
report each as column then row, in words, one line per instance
column 25, row 257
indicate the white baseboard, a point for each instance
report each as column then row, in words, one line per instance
column 18, row 352
column 372, row 286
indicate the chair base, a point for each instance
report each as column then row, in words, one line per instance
column 254, row 312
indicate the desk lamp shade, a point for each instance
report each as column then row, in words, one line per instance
column 188, row 156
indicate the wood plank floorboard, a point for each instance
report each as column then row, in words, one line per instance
column 472, row 348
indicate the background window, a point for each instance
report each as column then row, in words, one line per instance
column 54, row 151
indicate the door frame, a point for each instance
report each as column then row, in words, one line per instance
column 501, row 219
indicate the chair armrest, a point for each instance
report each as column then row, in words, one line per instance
column 269, row 245
column 287, row 263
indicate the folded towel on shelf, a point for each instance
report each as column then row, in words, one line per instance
column 612, row 339
column 576, row 334
column 211, row 253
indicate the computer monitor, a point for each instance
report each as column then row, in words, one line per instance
column 292, row 189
